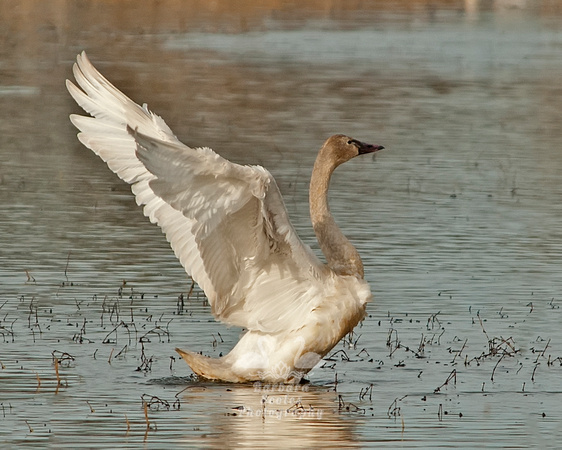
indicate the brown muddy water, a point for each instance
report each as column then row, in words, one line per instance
column 459, row 221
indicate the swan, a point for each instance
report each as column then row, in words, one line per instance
column 229, row 228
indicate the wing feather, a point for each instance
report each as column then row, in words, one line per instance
column 226, row 223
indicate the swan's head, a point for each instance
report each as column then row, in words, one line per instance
column 340, row 148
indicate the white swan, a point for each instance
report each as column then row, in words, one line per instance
column 228, row 226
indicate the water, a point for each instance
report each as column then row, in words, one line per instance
column 458, row 222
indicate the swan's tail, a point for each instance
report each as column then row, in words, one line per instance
column 210, row 368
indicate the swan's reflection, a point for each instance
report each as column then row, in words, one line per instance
column 263, row 415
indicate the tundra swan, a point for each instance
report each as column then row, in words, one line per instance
column 229, row 227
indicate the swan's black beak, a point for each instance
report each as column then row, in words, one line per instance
column 368, row 148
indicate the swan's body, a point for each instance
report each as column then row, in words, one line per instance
column 229, row 228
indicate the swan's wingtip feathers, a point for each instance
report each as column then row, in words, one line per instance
column 82, row 59
column 74, row 91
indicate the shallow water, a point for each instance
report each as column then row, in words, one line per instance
column 458, row 222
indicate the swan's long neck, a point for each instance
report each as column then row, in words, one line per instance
column 340, row 254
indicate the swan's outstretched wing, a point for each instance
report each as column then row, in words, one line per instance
column 226, row 223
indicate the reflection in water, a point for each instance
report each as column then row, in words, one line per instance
column 459, row 222
column 286, row 416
